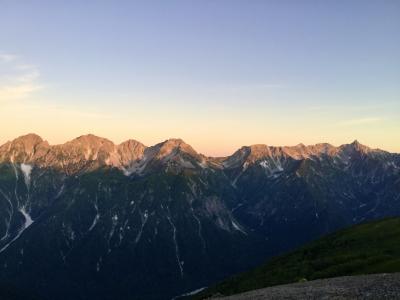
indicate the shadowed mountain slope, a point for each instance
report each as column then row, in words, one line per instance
column 363, row 249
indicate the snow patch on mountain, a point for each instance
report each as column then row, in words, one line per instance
column 88, row 152
column 144, row 221
column 96, row 218
column 28, row 219
column 10, row 213
column 28, row 222
column 237, row 227
column 191, row 293
column 177, row 254
column 27, row 170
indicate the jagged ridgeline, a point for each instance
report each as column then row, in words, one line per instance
column 91, row 219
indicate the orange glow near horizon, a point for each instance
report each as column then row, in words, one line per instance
column 215, row 133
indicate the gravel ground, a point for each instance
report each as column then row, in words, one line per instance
column 377, row 286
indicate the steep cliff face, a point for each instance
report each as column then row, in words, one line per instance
column 105, row 221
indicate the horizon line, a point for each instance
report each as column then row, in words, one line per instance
column 169, row 139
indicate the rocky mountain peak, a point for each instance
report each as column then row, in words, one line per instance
column 355, row 147
column 173, row 143
column 29, row 139
column 131, row 146
column 24, row 148
column 90, row 141
column 28, row 142
column 258, row 151
column 83, row 151
column 130, row 151
column 131, row 143
column 173, row 146
column 302, row 151
column 358, row 146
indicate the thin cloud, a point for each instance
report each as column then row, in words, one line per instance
column 69, row 112
column 6, row 58
column 82, row 114
column 17, row 91
column 361, row 121
column 20, row 79
column 330, row 108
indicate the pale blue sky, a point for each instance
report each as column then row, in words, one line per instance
column 219, row 74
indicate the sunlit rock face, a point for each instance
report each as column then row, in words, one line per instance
column 103, row 221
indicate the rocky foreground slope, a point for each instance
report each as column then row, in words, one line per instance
column 104, row 221
column 377, row 286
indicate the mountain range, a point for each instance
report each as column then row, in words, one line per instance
column 89, row 219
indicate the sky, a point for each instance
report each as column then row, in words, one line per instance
column 218, row 74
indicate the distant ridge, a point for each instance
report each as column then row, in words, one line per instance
column 132, row 157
